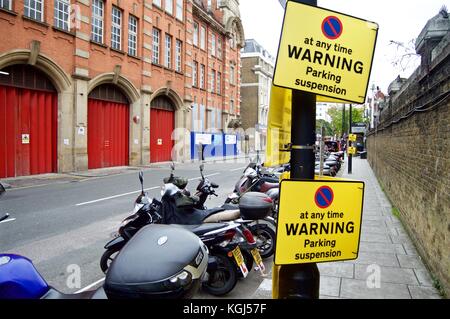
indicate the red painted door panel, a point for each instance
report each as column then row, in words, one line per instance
column 108, row 133
column 28, row 132
column 162, row 123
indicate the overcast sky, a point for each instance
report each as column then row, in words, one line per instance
column 398, row 20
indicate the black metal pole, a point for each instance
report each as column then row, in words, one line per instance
column 301, row 281
column 350, row 143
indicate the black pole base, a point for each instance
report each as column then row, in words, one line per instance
column 301, row 281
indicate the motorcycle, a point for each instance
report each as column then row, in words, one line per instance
column 226, row 262
column 160, row 261
column 261, row 228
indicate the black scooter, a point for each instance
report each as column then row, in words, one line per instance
column 226, row 261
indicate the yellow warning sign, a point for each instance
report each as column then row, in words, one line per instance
column 318, row 221
column 325, row 52
column 352, row 137
column 351, row 150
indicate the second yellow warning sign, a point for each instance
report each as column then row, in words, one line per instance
column 318, row 221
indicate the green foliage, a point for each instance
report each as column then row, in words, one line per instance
column 328, row 131
column 336, row 118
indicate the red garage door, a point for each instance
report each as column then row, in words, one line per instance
column 28, row 123
column 108, row 128
column 162, row 124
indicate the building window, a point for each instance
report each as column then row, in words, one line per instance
column 219, row 47
column 61, row 14
column 202, row 37
column 232, row 74
column 116, row 28
column 97, row 21
column 178, row 55
column 179, row 13
column 132, row 35
column 168, row 47
column 34, row 9
column 5, row 4
column 169, row 6
column 213, row 82
column 195, row 36
column 213, row 44
column 156, row 40
column 157, row 3
column 194, row 73
column 219, row 83
column 202, row 76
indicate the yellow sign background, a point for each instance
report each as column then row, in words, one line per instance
column 303, row 22
column 297, row 197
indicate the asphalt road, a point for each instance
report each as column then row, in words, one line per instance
column 63, row 226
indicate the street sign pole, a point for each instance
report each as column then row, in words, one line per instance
column 350, row 143
column 301, row 281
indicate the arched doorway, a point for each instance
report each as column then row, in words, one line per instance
column 162, row 124
column 28, row 122
column 108, row 127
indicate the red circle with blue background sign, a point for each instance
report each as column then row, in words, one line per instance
column 324, row 197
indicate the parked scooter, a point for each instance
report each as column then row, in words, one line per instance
column 160, row 261
column 226, row 263
column 263, row 229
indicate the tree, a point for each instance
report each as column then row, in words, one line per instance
column 336, row 118
column 328, row 131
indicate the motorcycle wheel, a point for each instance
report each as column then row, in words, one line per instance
column 107, row 258
column 222, row 280
column 266, row 236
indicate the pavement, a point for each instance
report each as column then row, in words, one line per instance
column 388, row 265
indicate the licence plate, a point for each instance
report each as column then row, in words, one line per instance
column 240, row 261
column 258, row 260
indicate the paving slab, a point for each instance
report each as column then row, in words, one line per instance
column 393, row 275
column 418, row 292
column 359, row 289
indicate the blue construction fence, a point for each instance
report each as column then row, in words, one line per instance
column 214, row 144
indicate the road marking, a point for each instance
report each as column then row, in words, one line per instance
column 236, row 169
column 8, row 220
column 194, row 178
column 134, row 192
column 90, row 286
column 114, row 196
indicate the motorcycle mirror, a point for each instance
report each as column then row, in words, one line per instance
column 141, row 179
column 201, row 167
column 172, row 166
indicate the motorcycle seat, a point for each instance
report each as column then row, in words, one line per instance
column 202, row 229
column 224, row 215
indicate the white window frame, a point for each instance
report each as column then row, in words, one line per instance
column 168, row 50
column 202, row 76
column 178, row 55
column 202, row 37
column 116, row 28
column 169, row 6
column 213, row 44
column 156, row 35
column 97, row 20
column 179, row 10
column 6, row 4
column 157, row 3
column 194, row 73
column 132, row 35
column 219, row 83
column 219, row 47
column 213, row 82
column 196, row 33
column 61, row 14
column 232, row 75
column 34, row 9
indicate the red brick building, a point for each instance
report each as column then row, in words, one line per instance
column 99, row 83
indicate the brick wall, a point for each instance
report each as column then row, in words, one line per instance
column 411, row 157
